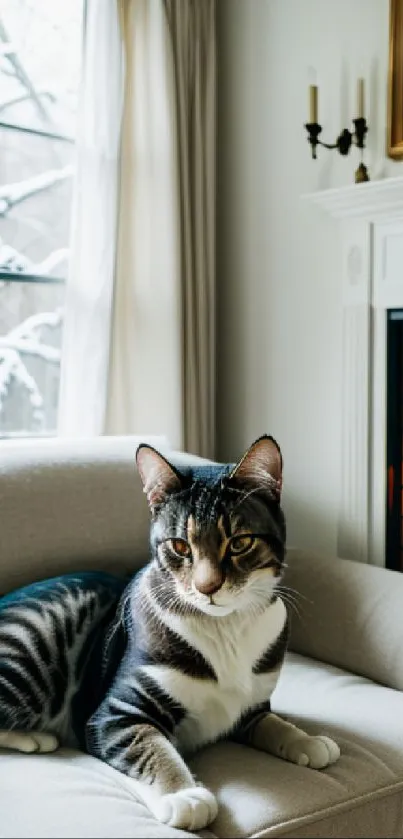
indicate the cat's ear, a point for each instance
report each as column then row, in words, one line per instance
column 261, row 467
column 158, row 477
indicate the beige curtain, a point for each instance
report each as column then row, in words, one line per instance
column 162, row 373
column 145, row 382
column 153, row 359
column 192, row 38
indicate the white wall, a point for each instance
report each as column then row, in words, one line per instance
column 279, row 310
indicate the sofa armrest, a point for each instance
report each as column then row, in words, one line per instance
column 350, row 615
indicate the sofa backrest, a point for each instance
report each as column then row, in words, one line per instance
column 350, row 614
column 70, row 504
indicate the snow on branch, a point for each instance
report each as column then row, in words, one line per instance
column 24, row 340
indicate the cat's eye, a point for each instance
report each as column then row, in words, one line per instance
column 180, row 547
column 241, row 544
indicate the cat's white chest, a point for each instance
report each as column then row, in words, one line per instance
column 234, row 645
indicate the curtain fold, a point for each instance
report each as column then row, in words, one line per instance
column 145, row 390
column 139, row 336
column 193, row 44
column 89, row 293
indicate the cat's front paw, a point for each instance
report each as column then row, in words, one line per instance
column 315, row 752
column 189, row 809
column 28, row 741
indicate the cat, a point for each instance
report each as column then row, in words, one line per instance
column 142, row 673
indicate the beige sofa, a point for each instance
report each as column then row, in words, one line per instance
column 79, row 504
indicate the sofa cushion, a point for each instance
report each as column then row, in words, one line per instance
column 73, row 795
column 359, row 796
column 69, row 794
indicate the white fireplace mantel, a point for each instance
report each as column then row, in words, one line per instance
column 370, row 220
column 372, row 201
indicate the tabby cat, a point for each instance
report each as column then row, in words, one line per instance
column 141, row 673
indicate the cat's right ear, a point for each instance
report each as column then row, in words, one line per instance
column 261, row 467
column 158, row 477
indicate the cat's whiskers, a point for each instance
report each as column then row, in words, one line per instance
column 187, row 605
column 289, row 600
column 173, row 601
column 295, row 593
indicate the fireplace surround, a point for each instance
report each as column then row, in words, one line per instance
column 370, row 220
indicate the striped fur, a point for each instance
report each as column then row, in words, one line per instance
column 190, row 654
column 52, row 674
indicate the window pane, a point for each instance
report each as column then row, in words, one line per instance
column 40, row 58
column 30, row 339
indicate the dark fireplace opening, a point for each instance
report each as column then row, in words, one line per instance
column 394, row 440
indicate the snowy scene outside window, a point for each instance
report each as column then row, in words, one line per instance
column 40, row 61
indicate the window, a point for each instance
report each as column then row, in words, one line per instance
column 40, row 57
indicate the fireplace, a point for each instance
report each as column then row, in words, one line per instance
column 370, row 509
column 394, row 440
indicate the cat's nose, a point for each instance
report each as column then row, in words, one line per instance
column 208, row 586
column 208, row 577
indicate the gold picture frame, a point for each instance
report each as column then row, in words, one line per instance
column 395, row 81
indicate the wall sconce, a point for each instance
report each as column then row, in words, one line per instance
column 346, row 138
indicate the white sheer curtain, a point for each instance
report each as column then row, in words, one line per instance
column 139, row 346
column 89, row 294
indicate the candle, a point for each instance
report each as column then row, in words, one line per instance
column 360, row 91
column 313, row 103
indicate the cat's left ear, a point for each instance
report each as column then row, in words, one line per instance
column 159, row 477
column 261, row 467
